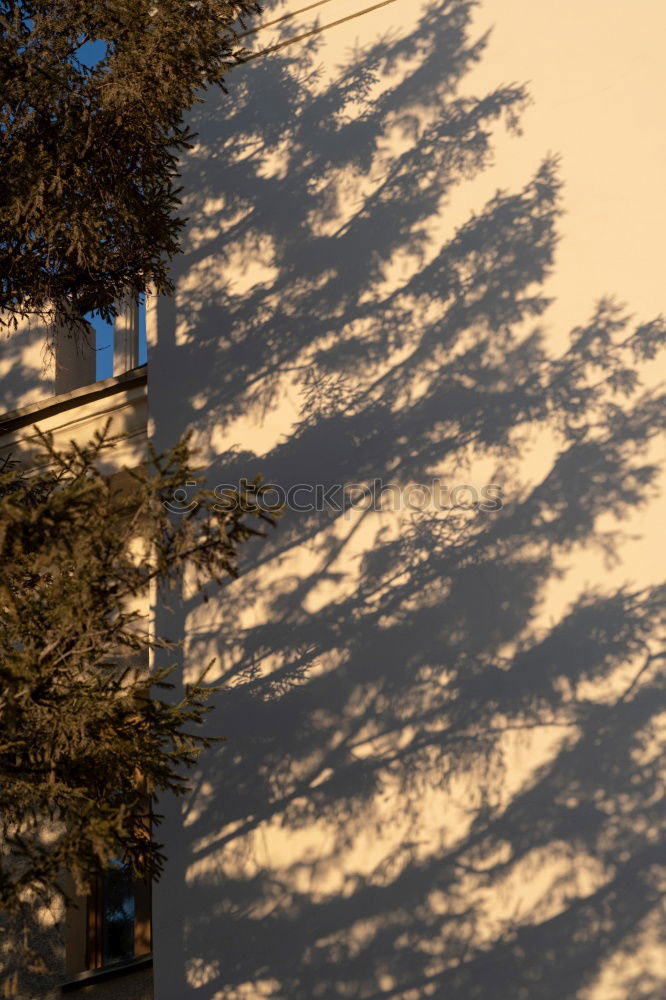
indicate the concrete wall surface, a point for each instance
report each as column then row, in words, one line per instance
column 442, row 711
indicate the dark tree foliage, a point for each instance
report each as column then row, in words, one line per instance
column 88, row 153
column 88, row 731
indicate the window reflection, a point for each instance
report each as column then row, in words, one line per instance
column 118, row 914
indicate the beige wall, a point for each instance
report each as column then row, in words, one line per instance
column 27, row 366
column 79, row 415
column 441, row 776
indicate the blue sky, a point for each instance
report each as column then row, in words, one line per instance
column 104, row 342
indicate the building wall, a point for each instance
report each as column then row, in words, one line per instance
column 117, row 405
column 129, row 986
column 33, row 964
column 33, row 952
column 27, row 372
column 439, row 776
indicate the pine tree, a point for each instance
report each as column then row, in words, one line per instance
column 89, row 146
column 89, row 733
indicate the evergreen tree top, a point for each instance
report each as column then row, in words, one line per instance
column 89, row 146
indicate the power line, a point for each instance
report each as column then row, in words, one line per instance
column 314, row 31
column 284, row 17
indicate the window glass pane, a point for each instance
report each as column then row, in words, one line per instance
column 118, row 915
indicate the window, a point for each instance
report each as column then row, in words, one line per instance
column 105, row 364
column 118, row 919
column 111, row 925
column 118, row 915
column 111, row 349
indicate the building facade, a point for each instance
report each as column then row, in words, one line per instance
column 441, row 673
column 101, row 945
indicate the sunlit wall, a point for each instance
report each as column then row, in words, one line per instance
column 442, row 710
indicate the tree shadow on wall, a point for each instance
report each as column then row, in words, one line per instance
column 26, row 374
column 428, row 789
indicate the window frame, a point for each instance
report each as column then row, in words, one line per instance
column 94, row 930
